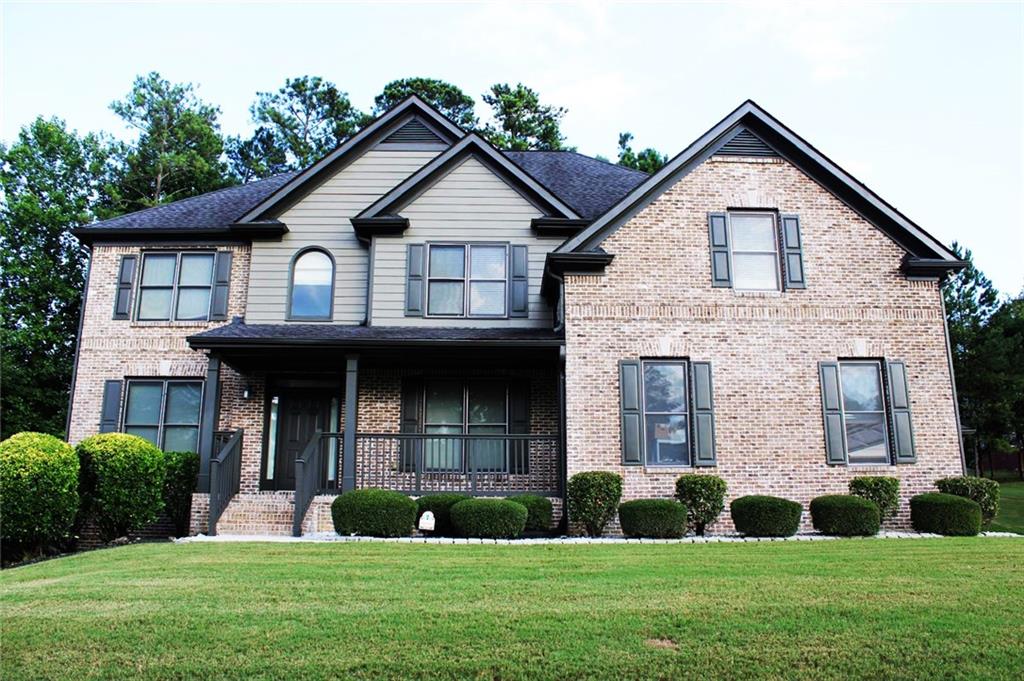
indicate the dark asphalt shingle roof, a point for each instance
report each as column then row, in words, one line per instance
column 326, row 333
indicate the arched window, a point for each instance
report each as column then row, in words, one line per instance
column 312, row 286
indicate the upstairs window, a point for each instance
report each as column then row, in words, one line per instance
column 312, row 286
column 175, row 286
column 467, row 280
column 754, row 251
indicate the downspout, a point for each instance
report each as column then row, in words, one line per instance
column 78, row 345
column 952, row 382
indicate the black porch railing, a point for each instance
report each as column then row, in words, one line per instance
column 225, row 474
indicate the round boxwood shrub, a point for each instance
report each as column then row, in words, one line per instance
column 593, row 498
column 440, row 505
column 704, row 498
column 765, row 516
column 538, row 509
column 38, row 491
column 374, row 512
column 845, row 515
column 945, row 514
column 655, row 518
column 180, row 472
column 121, row 482
column 489, row 518
column 983, row 491
column 882, row 490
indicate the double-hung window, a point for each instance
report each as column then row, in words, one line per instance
column 165, row 412
column 864, row 417
column 175, row 286
column 475, row 407
column 666, row 413
column 754, row 251
column 467, row 280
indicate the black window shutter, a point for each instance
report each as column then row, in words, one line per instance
column 831, row 406
column 519, row 283
column 519, row 424
column 221, row 284
column 792, row 252
column 703, row 415
column 110, row 414
column 899, row 405
column 718, row 233
column 411, row 422
column 414, row 286
column 632, row 412
column 125, row 284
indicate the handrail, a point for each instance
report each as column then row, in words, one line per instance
column 308, row 470
column 225, row 478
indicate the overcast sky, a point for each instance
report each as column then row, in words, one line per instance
column 921, row 102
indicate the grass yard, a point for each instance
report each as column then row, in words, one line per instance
column 1011, row 508
column 929, row 608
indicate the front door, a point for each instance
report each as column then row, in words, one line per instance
column 302, row 414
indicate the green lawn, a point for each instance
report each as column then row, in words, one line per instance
column 1011, row 508
column 928, row 608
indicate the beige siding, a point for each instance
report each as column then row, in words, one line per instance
column 322, row 219
column 468, row 204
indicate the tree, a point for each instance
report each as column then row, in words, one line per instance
column 51, row 180
column 178, row 152
column 306, row 118
column 445, row 97
column 521, row 122
column 257, row 157
column 649, row 160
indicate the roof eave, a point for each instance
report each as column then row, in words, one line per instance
column 931, row 268
column 558, row 265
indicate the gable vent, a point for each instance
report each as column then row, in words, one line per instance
column 413, row 132
column 746, row 143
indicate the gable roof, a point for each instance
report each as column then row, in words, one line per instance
column 752, row 118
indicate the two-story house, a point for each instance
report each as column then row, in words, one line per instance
column 421, row 312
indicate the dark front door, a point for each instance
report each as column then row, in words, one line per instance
column 302, row 414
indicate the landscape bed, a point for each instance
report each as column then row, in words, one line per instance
column 879, row 608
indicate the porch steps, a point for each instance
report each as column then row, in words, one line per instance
column 266, row 513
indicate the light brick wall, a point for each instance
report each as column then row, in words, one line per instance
column 655, row 300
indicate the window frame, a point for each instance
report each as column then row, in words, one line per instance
column 466, row 425
column 670, row 361
column 467, row 278
column 289, row 317
column 161, row 423
column 777, row 252
column 175, row 286
column 883, row 387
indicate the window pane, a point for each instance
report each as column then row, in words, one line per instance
column 862, row 387
column 443, row 454
column 155, row 304
column 755, row 271
column 181, row 438
column 147, row 433
column 447, row 261
column 196, row 270
column 667, row 440
column 487, row 297
column 445, row 297
column 313, row 267
column 487, row 403
column 272, row 437
column 158, row 270
column 193, row 303
column 143, row 406
column 183, row 403
column 753, row 232
column 487, row 262
column 311, row 300
column 664, row 387
column 865, row 438
column 444, row 403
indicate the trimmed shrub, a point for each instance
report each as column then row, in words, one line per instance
column 181, row 469
column 845, row 515
column 38, row 491
column 593, row 498
column 374, row 512
column 121, row 483
column 538, row 509
column 489, row 518
column 765, row 516
column 440, row 505
column 884, row 491
column 982, row 491
column 654, row 518
column 945, row 514
column 704, row 498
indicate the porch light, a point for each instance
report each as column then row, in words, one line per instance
column 247, row 392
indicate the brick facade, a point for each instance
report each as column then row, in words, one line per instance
column 655, row 300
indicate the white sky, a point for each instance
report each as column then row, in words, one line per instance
column 922, row 102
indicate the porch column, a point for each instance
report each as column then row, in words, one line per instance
column 208, row 423
column 348, row 450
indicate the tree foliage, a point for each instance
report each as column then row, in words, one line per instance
column 648, row 160
column 445, row 97
column 256, row 158
column 521, row 122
